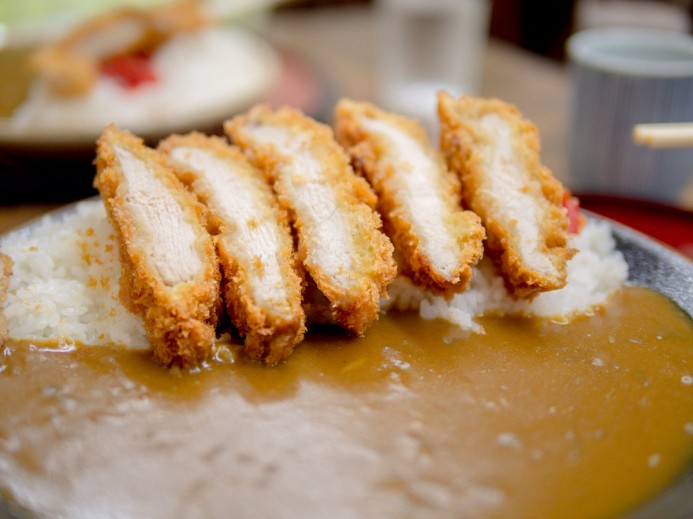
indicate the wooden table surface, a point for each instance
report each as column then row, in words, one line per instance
column 339, row 43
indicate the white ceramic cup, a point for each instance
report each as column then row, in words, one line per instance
column 623, row 77
column 425, row 46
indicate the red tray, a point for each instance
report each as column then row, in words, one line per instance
column 667, row 224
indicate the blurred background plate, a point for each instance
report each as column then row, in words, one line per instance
column 200, row 77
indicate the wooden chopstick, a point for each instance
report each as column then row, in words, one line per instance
column 664, row 135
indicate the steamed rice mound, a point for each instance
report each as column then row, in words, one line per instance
column 596, row 271
column 65, row 282
column 66, row 273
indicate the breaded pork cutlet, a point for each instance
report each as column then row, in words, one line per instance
column 170, row 268
column 418, row 198
column 495, row 151
column 339, row 238
column 261, row 279
column 5, row 273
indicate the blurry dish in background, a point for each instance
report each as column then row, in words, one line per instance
column 199, row 78
column 623, row 77
column 668, row 15
column 37, row 21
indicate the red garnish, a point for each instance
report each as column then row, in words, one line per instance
column 575, row 218
column 130, row 70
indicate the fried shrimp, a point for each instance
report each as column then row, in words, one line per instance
column 339, row 238
column 5, row 273
column 495, row 152
column 418, row 198
column 170, row 269
column 262, row 283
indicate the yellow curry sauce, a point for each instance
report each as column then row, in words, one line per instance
column 532, row 419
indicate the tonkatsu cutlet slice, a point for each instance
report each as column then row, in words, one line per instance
column 418, row 198
column 262, row 283
column 495, row 152
column 339, row 238
column 170, row 268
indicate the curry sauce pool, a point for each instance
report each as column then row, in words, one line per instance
column 532, row 419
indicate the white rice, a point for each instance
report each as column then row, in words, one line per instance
column 66, row 272
column 595, row 272
column 65, row 282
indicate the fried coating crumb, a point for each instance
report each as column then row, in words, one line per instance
column 495, row 152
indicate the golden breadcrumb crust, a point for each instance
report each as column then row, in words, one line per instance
column 179, row 320
column 357, row 306
column 461, row 142
column 368, row 153
column 273, row 330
